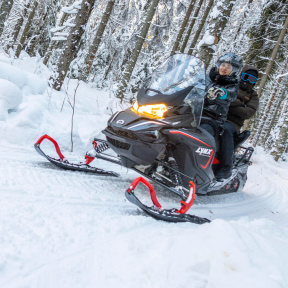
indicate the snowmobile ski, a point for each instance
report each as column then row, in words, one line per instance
column 156, row 211
column 65, row 164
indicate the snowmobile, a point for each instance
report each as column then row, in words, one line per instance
column 160, row 138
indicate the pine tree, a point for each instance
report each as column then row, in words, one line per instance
column 183, row 27
column 5, row 9
column 71, row 46
column 192, row 23
column 264, row 32
column 97, row 40
column 130, row 66
column 217, row 23
column 26, row 28
column 200, row 26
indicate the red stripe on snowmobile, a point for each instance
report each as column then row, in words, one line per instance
column 190, row 199
column 215, row 161
column 204, row 167
column 54, row 142
column 179, row 132
column 149, row 186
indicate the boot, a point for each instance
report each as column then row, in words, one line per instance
column 224, row 172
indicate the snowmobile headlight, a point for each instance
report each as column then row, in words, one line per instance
column 156, row 110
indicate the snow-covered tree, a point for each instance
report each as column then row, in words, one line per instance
column 82, row 9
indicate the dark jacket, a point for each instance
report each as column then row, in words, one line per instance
column 220, row 106
column 246, row 104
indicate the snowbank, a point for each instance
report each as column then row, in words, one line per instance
column 10, row 98
column 27, row 82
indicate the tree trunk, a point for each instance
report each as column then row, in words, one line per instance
column 97, row 40
column 215, row 29
column 243, row 20
column 275, row 117
column 72, row 44
column 17, row 28
column 26, row 29
column 266, row 114
column 281, row 143
column 183, row 26
column 130, row 66
column 195, row 15
column 53, row 43
column 272, row 58
column 4, row 12
column 200, row 27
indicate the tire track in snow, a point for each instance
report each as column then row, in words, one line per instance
column 261, row 196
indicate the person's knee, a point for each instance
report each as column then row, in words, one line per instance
column 229, row 129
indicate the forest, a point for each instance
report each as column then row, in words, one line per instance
column 116, row 44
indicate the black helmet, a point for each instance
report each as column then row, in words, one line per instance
column 233, row 59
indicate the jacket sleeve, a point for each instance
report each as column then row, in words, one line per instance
column 245, row 111
column 231, row 95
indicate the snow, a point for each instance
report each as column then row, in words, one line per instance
column 207, row 39
column 10, row 98
column 69, row 229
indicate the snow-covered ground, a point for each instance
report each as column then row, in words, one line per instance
column 69, row 229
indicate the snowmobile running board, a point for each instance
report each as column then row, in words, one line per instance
column 156, row 211
column 65, row 164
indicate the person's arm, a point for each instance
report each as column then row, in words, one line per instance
column 246, row 111
column 237, row 103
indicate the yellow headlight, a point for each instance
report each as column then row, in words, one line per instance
column 156, row 110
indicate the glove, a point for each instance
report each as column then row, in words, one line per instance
column 213, row 92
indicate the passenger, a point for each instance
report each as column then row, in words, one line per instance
column 243, row 108
column 222, row 89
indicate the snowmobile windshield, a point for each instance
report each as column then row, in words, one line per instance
column 178, row 73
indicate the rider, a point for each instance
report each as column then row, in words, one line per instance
column 222, row 89
column 244, row 107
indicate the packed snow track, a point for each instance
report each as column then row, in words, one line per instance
column 72, row 229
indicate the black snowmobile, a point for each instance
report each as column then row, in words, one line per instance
column 160, row 137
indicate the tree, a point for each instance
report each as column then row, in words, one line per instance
column 141, row 38
column 281, row 144
column 264, row 34
column 273, row 57
column 97, row 39
column 71, row 46
column 200, row 27
column 195, row 15
column 217, row 24
column 183, row 26
column 19, row 12
column 26, row 28
column 5, row 9
column 53, row 43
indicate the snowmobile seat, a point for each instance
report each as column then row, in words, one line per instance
column 240, row 138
